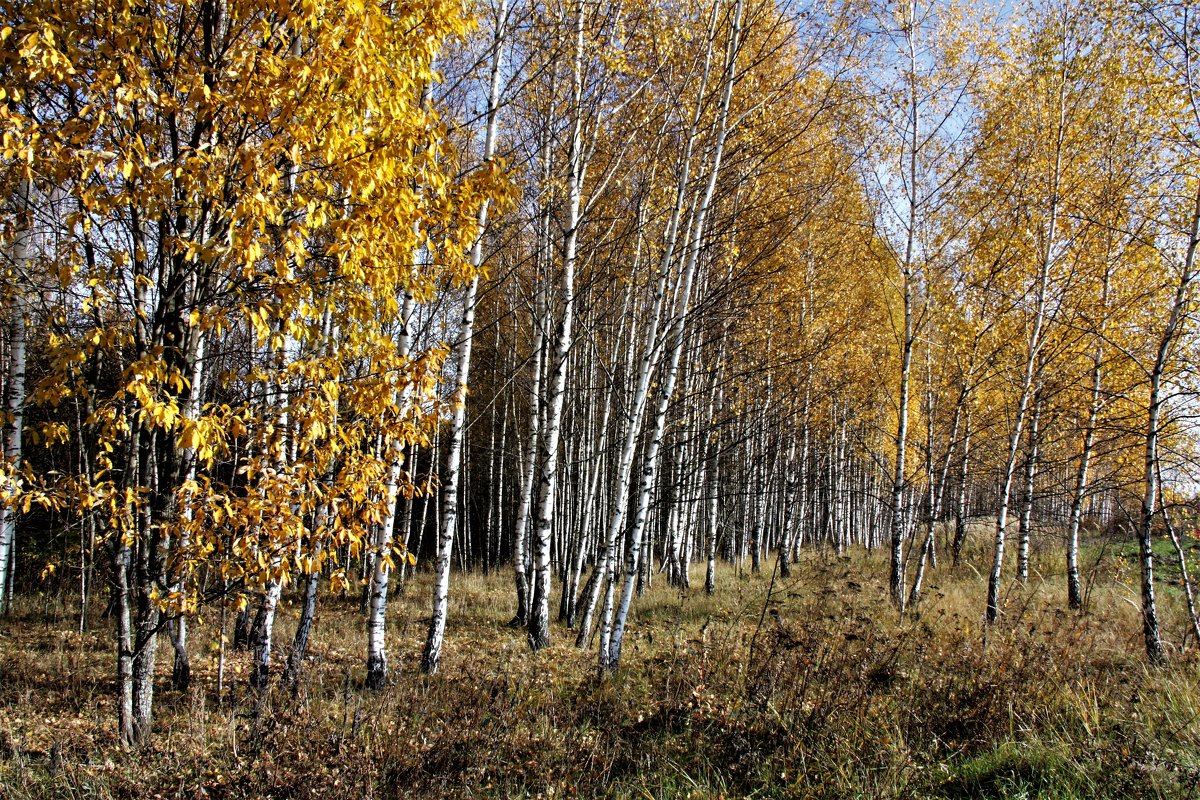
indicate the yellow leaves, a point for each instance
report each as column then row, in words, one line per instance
column 189, row 436
column 251, row 253
column 152, row 411
column 289, row 249
column 308, row 563
column 51, row 432
column 29, row 44
column 338, row 582
column 258, row 319
column 331, row 391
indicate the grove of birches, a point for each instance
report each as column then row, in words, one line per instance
column 310, row 306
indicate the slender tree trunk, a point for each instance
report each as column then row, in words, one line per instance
column 936, row 497
column 122, row 591
column 441, row 588
column 1026, row 521
column 530, row 467
column 898, row 581
column 598, row 469
column 181, row 671
column 1150, row 633
column 294, row 668
column 960, row 506
column 1154, row 647
column 677, row 335
column 263, row 630
column 147, row 570
column 1031, row 362
column 712, row 456
column 1074, row 586
column 539, row 610
column 14, row 401
column 384, row 534
column 435, row 638
column 637, row 404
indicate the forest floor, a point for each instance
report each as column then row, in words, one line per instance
column 805, row 687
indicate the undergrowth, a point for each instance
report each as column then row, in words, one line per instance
column 810, row 687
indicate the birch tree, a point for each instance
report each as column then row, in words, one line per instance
column 19, row 261
column 186, row 222
column 466, row 332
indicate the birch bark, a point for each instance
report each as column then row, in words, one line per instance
column 441, row 587
column 14, row 401
column 676, row 336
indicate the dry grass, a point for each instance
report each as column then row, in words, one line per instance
column 811, row 687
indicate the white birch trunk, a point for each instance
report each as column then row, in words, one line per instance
column 677, row 336
column 441, row 588
column 1035, row 345
column 1150, row 490
column 898, row 581
column 539, row 609
column 528, row 468
column 1074, row 586
column 14, row 401
column 385, row 534
column 641, row 392
column 181, row 670
column 1023, row 528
